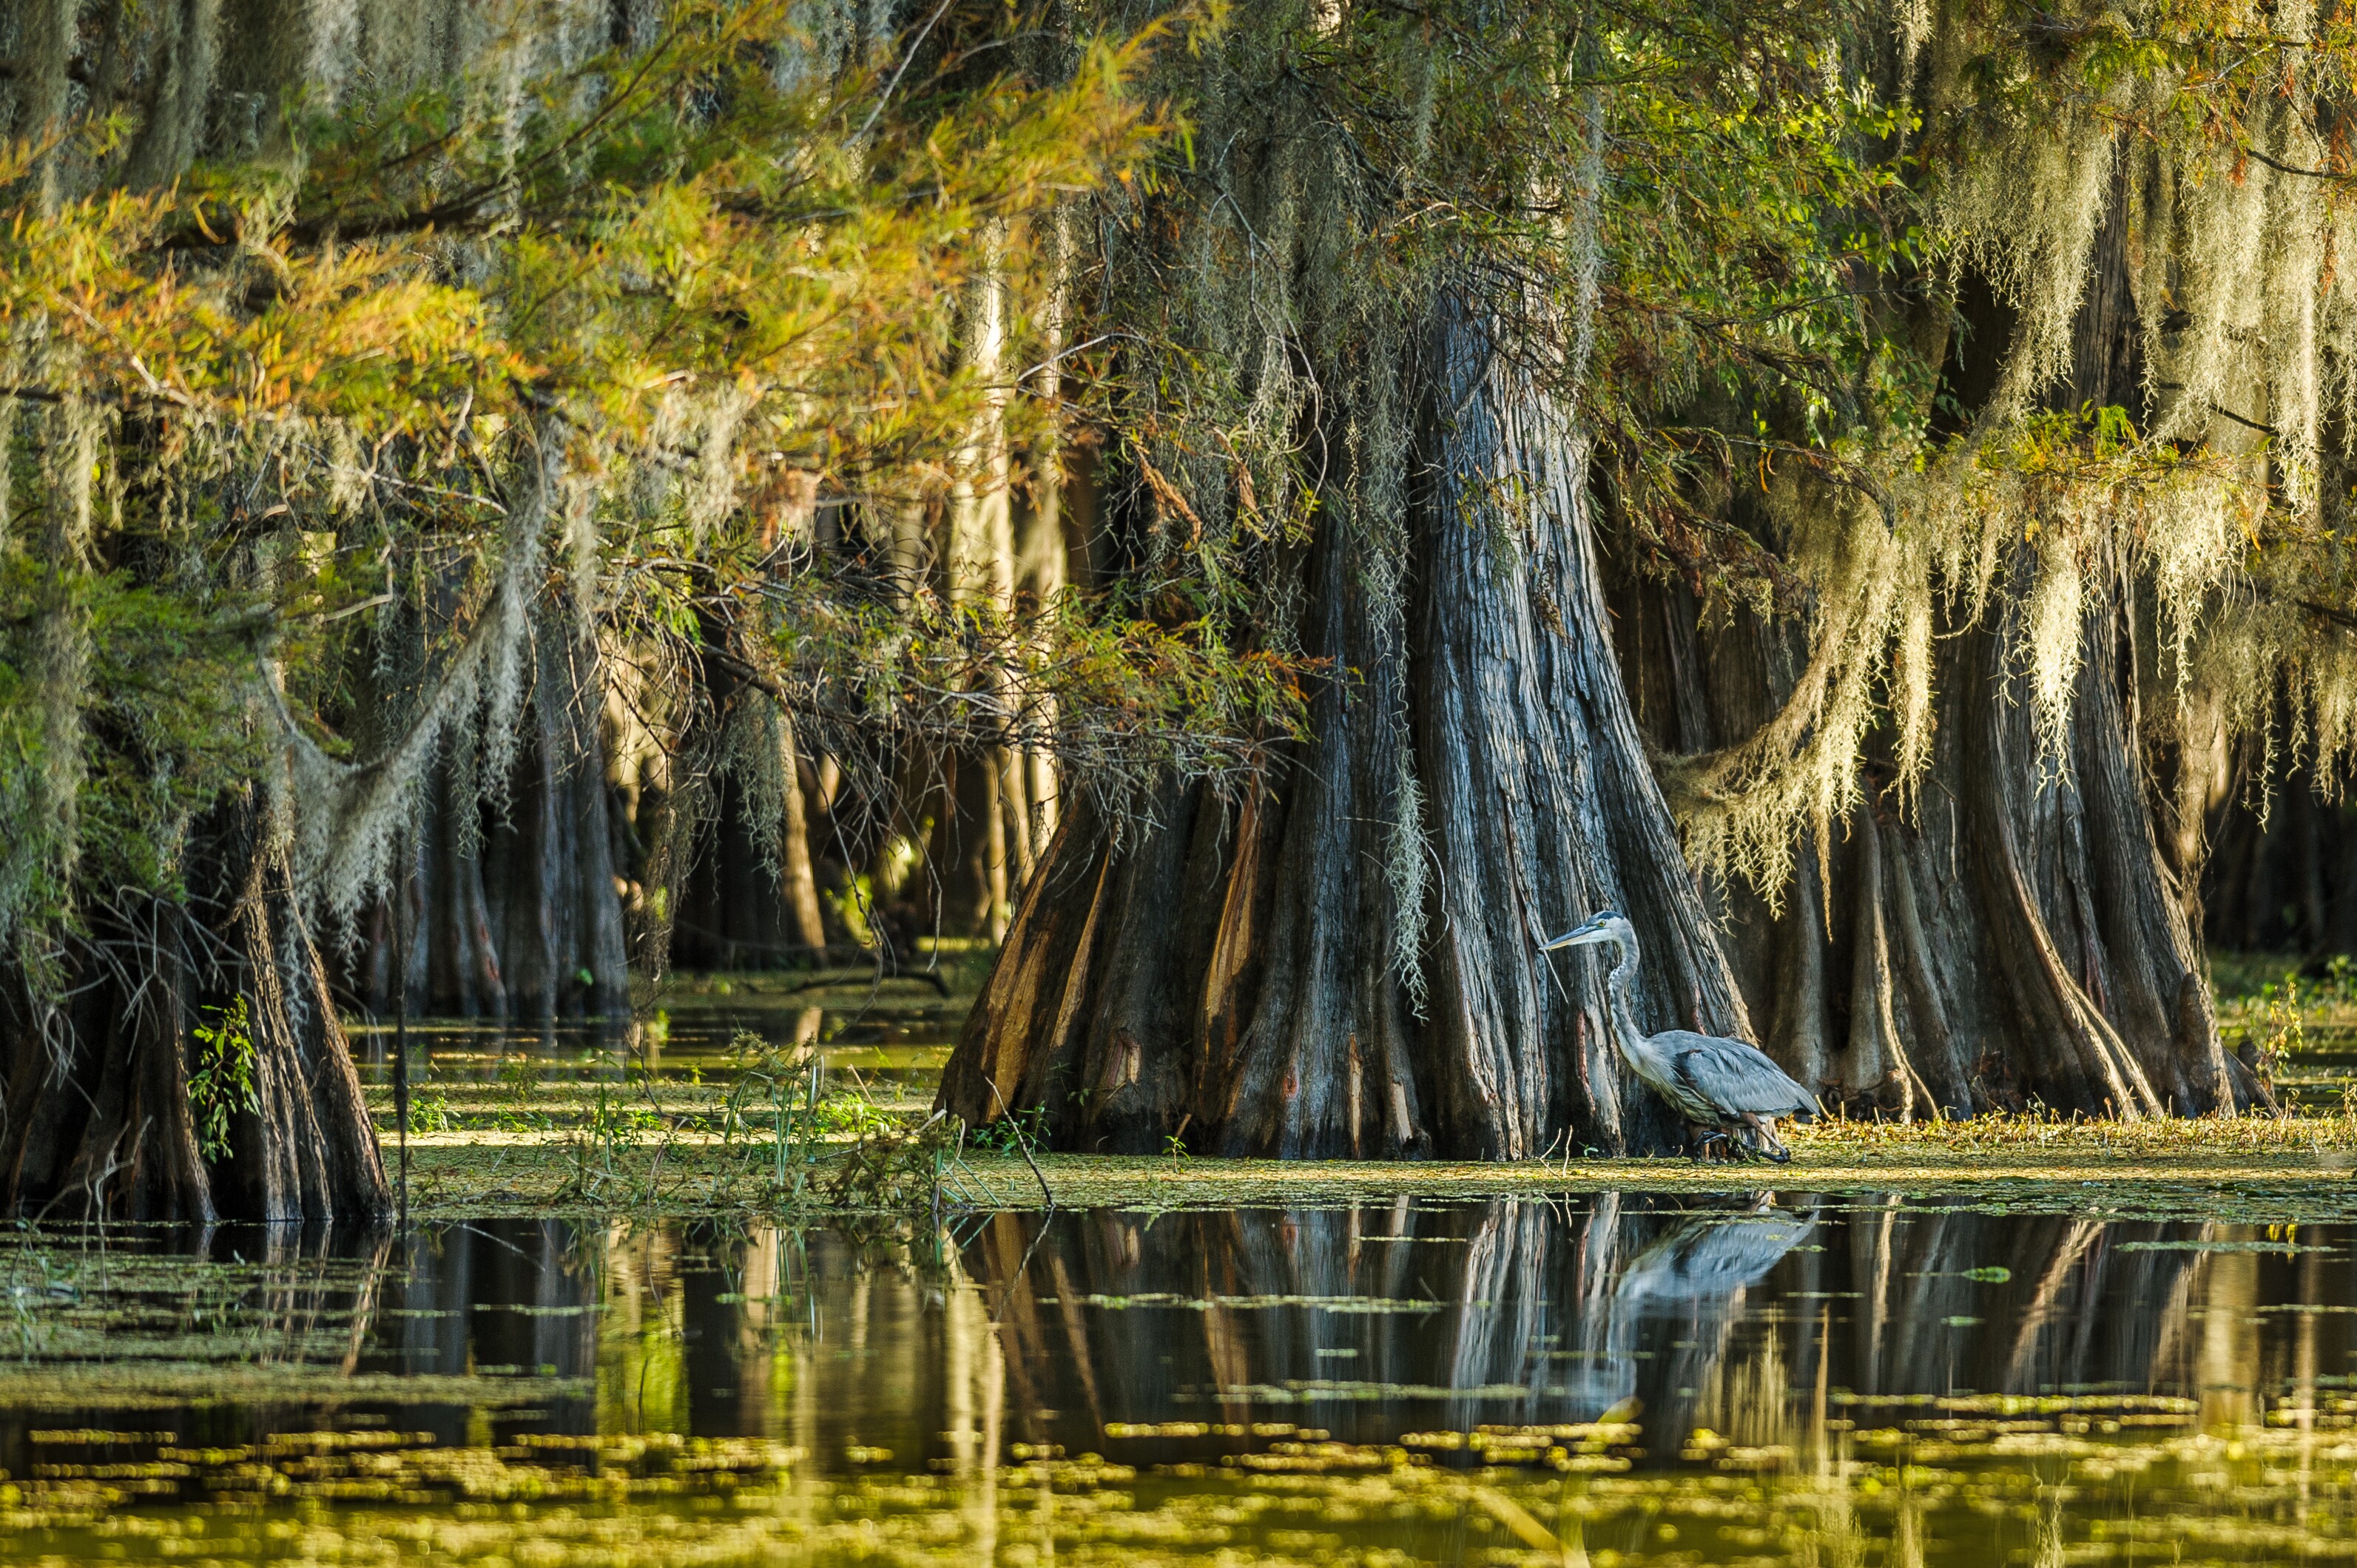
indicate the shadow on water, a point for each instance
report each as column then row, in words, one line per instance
column 1667, row 1347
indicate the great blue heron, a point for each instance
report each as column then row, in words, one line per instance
column 1721, row 1084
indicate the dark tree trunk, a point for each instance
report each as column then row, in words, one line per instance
column 1228, row 975
column 1545, row 809
column 2083, row 924
column 101, row 1125
column 513, row 906
column 1221, row 971
column 2021, row 925
column 2016, row 929
column 2284, row 866
column 2024, row 925
column 730, row 916
column 2101, row 992
column 747, row 860
column 553, row 892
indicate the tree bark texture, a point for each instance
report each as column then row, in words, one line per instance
column 2024, row 925
column 101, row 1122
column 512, row 903
column 1545, row 809
column 2014, row 929
column 1228, row 976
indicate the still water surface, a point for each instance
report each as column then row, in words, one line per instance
column 1761, row 1378
column 888, row 1048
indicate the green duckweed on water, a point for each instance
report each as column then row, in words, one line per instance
column 2041, row 1488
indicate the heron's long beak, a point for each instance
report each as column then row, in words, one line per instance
column 1573, row 937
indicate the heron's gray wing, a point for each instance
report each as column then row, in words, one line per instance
column 1734, row 1077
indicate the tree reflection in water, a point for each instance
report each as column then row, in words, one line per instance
column 1368, row 1322
column 1735, row 1315
column 1781, row 1356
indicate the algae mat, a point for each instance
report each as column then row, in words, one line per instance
column 472, row 1173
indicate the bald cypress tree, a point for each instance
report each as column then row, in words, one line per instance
column 402, row 407
column 1899, row 542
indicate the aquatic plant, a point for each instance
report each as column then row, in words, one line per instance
column 221, row 1084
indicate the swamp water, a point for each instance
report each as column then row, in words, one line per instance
column 1823, row 1379
column 1607, row 1378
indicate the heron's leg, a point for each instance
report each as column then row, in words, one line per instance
column 1702, row 1144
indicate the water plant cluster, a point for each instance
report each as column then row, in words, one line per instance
column 1513, row 1497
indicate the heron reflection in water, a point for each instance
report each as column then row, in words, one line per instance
column 1710, row 1257
column 1695, row 1273
column 1728, row 1091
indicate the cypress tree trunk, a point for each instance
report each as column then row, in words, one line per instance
column 2022, row 927
column 1840, row 967
column 1545, row 807
column 104, row 1124
column 2085, row 923
column 549, row 863
column 2027, row 924
column 2109, row 988
column 514, row 906
column 1231, row 974
column 745, row 836
column 2283, row 869
column 750, row 900
column 2015, row 931
column 112, row 1109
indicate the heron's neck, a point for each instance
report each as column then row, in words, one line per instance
column 1622, row 1005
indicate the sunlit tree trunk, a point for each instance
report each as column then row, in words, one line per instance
column 1544, row 805
column 1232, row 974
column 797, row 872
column 990, row 831
column 1043, row 548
